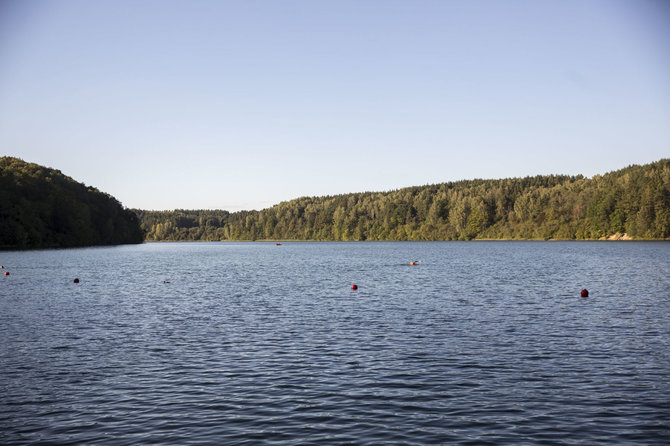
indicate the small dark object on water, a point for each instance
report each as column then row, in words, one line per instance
column 2, row 267
column 354, row 287
column 6, row 273
column 76, row 280
column 166, row 281
column 585, row 293
column 277, row 244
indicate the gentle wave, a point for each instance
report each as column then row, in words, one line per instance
column 481, row 343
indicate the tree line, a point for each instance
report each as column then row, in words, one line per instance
column 42, row 208
column 633, row 201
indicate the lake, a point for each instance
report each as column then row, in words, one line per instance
column 252, row 343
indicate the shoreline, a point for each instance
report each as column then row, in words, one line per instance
column 410, row 241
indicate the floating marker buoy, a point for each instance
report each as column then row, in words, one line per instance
column 76, row 280
column 6, row 273
column 585, row 293
column 412, row 263
column 354, row 287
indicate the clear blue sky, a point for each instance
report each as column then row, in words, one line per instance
column 243, row 104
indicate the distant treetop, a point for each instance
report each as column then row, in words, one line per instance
column 633, row 202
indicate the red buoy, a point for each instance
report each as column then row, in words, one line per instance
column 585, row 293
column 76, row 280
column 6, row 273
column 354, row 287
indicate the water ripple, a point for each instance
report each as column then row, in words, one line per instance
column 483, row 343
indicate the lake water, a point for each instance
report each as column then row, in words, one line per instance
column 252, row 343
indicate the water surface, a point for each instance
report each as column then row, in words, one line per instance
column 252, row 343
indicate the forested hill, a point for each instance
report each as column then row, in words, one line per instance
column 634, row 201
column 42, row 208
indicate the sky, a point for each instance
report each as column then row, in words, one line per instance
column 243, row 104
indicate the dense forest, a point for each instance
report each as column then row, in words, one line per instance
column 629, row 203
column 42, row 208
